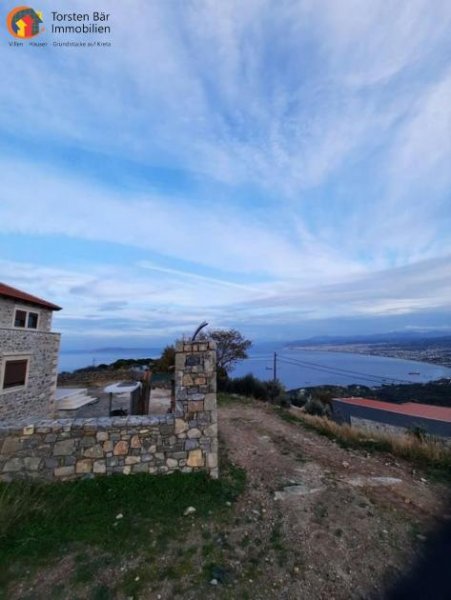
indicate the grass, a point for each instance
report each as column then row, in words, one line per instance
column 424, row 453
column 39, row 522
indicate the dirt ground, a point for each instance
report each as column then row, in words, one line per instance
column 347, row 522
column 315, row 522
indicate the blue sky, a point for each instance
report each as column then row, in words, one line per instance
column 279, row 167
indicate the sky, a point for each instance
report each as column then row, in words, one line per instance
column 281, row 167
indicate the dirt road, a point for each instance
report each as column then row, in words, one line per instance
column 332, row 523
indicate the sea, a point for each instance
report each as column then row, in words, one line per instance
column 294, row 368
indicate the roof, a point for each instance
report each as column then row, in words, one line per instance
column 15, row 294
column 411, row 409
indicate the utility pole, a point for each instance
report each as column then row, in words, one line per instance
column 274, row 368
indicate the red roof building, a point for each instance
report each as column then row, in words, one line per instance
column 14, row 294
column 434, row 420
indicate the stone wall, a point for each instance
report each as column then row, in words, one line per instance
column 37, row 398
column 73, row 448
column 195, row 399
column 386, row 429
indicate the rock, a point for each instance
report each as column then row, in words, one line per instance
column 421, row 537
column 295, row 490
column 214, row 582
column 119, row 516
column 195, row 458
column 120, row 448
column 345, row 464
column 189, row 511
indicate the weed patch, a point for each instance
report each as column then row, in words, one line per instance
column 424, row 453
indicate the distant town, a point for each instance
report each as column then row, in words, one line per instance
column 436, row 350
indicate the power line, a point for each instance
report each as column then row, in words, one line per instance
column 342, row 372
column 371, row 375
column 332, row 371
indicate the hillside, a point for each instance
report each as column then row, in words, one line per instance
column 313, row 520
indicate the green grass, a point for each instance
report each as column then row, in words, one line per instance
column 42, row 521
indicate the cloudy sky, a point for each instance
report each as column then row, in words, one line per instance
column 282, row 167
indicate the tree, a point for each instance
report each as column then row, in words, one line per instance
column 231, row 347
column 166, row 362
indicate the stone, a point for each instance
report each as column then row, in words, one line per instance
column 95, row 451
column 108, row 446
column 210, row 401
column 11, row 446
column 195, row 458
column 29, row 430
column 171, row 463
column 135, row 442
column 141, row 468
column 14, row 464
column 64, row 471
column 83, row 466
column 212, row 460
column 194, row 433
column 180, row 426
column 32, row 463
column 102, row 436
column 200, row 381
column 127, row 470
column 189, row 511
column 120, row 448
column 132, row 460
column 196, row 406
column 99, row 467
column 64, row 448
column 212, row 430
column 191, row 444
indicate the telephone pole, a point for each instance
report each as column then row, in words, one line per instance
column 274, row 368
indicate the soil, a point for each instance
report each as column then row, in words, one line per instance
column 348, row 523
column 315, row 522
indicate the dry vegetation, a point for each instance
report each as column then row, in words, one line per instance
column 424, row 451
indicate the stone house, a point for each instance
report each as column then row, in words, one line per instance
column 28, row 355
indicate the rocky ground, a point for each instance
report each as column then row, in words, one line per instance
column 346, row 522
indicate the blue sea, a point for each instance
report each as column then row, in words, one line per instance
column 294, row 368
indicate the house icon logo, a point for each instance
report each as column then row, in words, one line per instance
column 24, row 22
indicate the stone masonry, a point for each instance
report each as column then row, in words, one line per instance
column 65, row 449
column 40, row 346
column 38, row 397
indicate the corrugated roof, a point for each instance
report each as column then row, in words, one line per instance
column 412, row 409
column 10, row 292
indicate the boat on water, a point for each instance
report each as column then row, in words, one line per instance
column 414, row 373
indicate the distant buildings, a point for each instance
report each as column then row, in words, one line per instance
column 388, row 417
column 28, row 355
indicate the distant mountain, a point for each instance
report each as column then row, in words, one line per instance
column 115, row 349
column 395, row 337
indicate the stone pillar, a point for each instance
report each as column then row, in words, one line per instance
column 195, row 403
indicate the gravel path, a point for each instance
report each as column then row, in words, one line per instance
column 346, row 522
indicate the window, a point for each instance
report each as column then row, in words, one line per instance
column 33, row 320
column 15, row 373
column 20, row 319
column 26, row 319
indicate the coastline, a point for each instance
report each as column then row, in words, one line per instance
column 402, row 354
